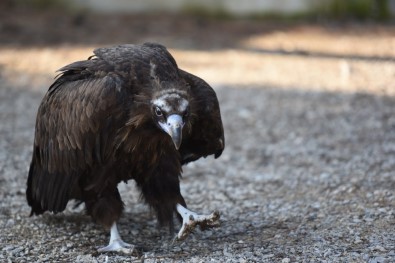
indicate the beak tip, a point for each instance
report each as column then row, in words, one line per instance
column 173, row 127
column 177, row 144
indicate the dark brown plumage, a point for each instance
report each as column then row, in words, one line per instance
column 126, row 113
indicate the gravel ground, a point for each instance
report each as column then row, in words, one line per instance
column 307, row 174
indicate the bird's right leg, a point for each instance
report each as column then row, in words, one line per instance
column 116, row 243
column 106, row 209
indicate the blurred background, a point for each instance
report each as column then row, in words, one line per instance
column 330, row 45
column 307, row 97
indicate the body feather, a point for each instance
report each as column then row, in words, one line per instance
column 94, row 129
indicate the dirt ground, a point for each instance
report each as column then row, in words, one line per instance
column 309, row 113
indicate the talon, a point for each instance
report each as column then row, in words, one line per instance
column 116, row 243
column 117, row 246
column 190, row 220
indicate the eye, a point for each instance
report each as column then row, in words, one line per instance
column 158, row 112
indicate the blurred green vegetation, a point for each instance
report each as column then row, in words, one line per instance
column 375, row 10
column 42, row 4
column 217, row 11
column 355, row 9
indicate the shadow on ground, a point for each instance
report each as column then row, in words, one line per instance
column 305, row 176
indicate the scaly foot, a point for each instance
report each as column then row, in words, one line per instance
column 116, row 243
column 117, row 246
column 191, row 219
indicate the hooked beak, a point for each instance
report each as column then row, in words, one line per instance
column 173, row 127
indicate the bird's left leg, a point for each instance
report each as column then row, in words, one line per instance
column 162, row 191
column 116, row 243
column 191, row 219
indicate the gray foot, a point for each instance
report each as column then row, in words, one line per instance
column 117, row 246
column 191, row 219
column 116, row 243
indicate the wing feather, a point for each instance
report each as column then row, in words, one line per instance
column 206, row 135
column 89, row 112
column 71, row 134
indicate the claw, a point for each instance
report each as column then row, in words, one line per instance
column 191, row 219
column 116, row 243
column 118, row 246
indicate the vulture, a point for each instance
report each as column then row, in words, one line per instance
column 127, row 112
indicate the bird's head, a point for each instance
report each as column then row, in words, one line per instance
column 170, row 111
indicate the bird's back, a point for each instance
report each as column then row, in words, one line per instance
column 92, row 117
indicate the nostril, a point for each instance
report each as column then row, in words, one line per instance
column 176, row 125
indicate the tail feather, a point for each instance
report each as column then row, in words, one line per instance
column 35, row 204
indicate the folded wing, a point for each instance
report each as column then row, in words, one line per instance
column 206, row 135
